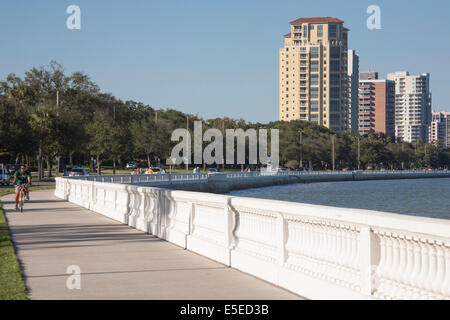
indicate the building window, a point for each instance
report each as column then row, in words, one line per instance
column 335, row 52
column 320, row 31
column 334, row 106
column 335, row 120
column 332, row 31
column 314, row 67
column 314, row 52
column 334, row 66
column 314, row 106
column 335, row 93
column 334, row 79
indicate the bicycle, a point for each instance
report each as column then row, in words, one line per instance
column 22, row 196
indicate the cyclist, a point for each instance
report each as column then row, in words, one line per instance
column 21, row 177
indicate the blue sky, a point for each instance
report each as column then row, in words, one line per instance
column 210, row 57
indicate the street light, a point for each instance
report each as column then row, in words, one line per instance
column 332, row 149
column 301, row 148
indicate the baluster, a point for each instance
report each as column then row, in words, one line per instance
column 380, row 282
column 432, row 272
column 343, row 253
column 346, row 254
column 322, row 250
column 327, row 245
column 440, row 269
column 308, row 239
column 310, row 249
column 406, row 277
column 425, row 263
column 415, row 274
column 389, row 262
column 355, row 252
column 336, row 251
column 304, row 237
column 445, row 287
column 393, row 274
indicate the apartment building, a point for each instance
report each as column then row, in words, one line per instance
column 313, row 73
column 412, row 106
column 440, row 129
column 376, row 105
column 353, row 90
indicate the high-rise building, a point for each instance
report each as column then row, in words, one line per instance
column 440, row 129
column 313, row 73
column 376, row 105
column 412, row 106
column 353, row 82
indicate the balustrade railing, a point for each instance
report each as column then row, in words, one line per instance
column 318, row 252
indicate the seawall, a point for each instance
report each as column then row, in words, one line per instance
column 225, row 183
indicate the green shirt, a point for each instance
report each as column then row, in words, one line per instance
column 22, row 178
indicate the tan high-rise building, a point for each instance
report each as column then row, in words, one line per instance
column 313, row 73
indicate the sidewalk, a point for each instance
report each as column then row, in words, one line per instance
column 116, row 261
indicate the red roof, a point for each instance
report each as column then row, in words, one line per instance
column 316, row 20
column 287, row 35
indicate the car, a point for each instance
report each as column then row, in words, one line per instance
column 76, row 172
column 131, row 165
column 156, row 170
column 213, row 171
column 12, row 168
column 4, row 176
column 67, row 170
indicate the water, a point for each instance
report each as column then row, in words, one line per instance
column 421, row 197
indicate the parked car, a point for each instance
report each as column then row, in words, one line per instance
column 67, row 170
column 213, row 171
column 4, row 176
column 157, row 170
column 76, row 172
column 12, row 168
column 131, row 165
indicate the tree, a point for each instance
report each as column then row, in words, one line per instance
column 43, row 123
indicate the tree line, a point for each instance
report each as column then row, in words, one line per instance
column 49, row 118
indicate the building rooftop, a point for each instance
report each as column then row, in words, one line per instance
column 316, row 20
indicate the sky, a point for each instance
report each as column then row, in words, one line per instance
column 214, row 58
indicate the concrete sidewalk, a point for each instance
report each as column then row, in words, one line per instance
column 116, row 261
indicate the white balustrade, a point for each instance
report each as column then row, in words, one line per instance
column 318, row 252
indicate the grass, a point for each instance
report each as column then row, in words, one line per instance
column 12, row 286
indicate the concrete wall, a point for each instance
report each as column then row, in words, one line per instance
column 315, row 251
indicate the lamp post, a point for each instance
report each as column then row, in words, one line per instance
column 332, row 150
column 301, row 148
column 187, row 143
